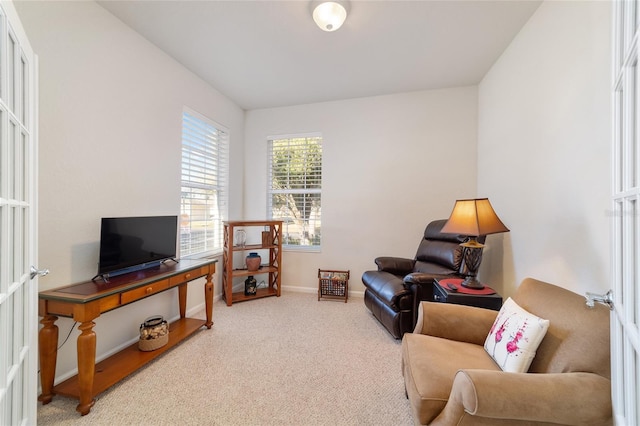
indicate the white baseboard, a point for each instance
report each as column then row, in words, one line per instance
column 298, row 289
column 309, row 290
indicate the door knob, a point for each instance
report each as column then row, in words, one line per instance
column 606, row 299
column 39, row 272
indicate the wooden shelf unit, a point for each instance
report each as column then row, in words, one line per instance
column 272, row 268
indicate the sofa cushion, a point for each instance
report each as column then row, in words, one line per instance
column 514, row 337
column 429, row 365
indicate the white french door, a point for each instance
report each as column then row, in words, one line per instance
column 625, row 335
column 18, row 236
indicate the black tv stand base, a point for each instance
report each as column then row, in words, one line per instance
column 103, row 277
column 150, row 265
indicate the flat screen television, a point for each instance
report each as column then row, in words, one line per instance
column 129, row 244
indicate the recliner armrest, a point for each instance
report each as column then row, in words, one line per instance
column 563, row 398
column 420, row 278
column 395, row 265
column 455, row 322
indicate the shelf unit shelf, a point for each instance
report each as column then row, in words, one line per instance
column 252, row 247
column 272, row 267
column 260, row 293
column 262, row 270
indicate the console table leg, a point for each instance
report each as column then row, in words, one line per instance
column 86, row 366
column 208, row 300
column 182, row 299
column 48, row 352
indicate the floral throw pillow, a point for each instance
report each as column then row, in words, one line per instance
column 514, row 337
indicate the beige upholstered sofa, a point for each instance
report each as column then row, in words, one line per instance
column 451, row 379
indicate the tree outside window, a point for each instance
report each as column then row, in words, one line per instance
column 295, row 189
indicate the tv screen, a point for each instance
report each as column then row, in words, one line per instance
column 133, row 243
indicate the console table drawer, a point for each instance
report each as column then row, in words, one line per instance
column 143, row 291
column 188, row 276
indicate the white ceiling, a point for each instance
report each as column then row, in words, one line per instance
column 270, row 53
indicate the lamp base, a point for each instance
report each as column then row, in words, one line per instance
column 472, row 282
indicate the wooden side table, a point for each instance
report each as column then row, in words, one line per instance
column 486, row 298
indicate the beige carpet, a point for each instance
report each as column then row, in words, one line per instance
column 277, row 361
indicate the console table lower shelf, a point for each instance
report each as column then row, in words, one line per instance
column 118, row 366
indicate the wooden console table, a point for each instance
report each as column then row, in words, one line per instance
column 85, row 301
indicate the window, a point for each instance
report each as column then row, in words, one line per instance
column 295, row 188
column 205, row 171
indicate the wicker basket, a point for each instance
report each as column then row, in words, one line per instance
column 154, row 334
column 333, row 284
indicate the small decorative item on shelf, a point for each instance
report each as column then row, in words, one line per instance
column 266, row 239
column 253, row 262
column 240, row 239
column 250, row 286
column 154, row 334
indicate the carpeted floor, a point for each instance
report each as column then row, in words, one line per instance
column 277, row 361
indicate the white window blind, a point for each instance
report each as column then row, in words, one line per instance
column 295, row 189
column 205, row 178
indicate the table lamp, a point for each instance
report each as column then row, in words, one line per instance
column 473, row 217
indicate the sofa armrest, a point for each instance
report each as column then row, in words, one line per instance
column 455, row 322
column 562, row 398
column 395, row 265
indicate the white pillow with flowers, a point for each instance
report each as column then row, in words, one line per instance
column 514, row 337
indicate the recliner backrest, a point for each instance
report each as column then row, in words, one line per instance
column 438, row 250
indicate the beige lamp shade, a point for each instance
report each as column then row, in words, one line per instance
column 474, row 217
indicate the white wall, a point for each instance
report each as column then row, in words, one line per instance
column 544, row 149
column 391, row 164
column 110, row 145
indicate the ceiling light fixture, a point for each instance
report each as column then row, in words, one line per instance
column 329, row 15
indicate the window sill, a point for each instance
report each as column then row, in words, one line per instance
column 205, row 255
column 302, row 249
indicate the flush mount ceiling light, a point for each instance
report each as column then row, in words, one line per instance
column 329, row 15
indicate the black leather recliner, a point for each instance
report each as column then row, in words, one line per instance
column 394, row 291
